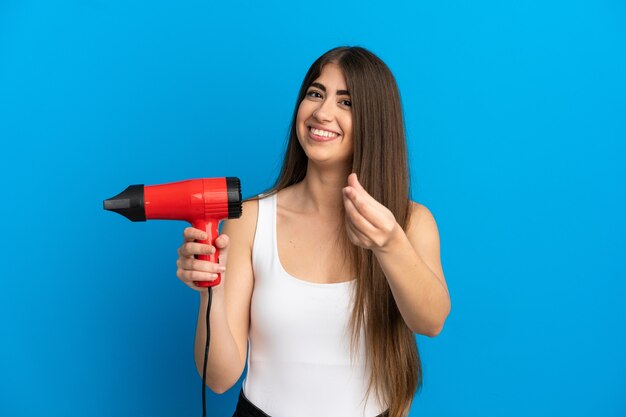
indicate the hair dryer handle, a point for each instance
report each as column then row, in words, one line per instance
column 210, row 227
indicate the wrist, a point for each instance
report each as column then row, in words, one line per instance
column 396, row 240
column 217, row 292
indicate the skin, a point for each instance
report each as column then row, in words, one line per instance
column 308, row 219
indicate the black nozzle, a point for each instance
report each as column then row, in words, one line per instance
column 233, row 187
column 129, row 203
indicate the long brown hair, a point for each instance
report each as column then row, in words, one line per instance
column 380, row 161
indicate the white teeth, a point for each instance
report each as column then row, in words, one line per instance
column 323, row 133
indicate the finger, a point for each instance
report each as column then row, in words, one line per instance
column 192, row 264
column 352, row 237
column 361, row 229
column 374, row 212
column 182, row 254
column 357, row 199
column 361, row 199
column 357, row 237
column 359, row 214
column 222, row 241
column 194, row 248
column 190, row 234
column 353, row 182
column 189, row 277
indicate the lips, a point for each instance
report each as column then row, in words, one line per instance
column 322, row 135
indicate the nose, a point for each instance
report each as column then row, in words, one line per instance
column 324, row 111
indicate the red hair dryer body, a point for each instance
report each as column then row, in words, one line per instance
column 202, row 202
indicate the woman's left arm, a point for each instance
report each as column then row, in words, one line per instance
column 410, row 260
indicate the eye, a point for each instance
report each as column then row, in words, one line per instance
column 346, row 103
column 314, row 94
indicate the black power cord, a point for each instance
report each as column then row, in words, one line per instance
column 206, row 351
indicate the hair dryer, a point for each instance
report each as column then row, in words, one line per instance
column 202, row 202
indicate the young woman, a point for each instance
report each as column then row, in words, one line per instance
column 329, row 275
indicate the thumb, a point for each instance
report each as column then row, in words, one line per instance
column 222, row 242
column 353, row 181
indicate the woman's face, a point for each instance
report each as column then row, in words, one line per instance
column 324, row 120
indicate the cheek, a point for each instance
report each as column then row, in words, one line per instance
column 303, row 111
column 300, row 117
column 346, row 125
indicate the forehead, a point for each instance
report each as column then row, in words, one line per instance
column 332, row 76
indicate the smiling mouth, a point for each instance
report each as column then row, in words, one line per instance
column 323, row 134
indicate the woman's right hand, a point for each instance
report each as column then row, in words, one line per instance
column 191, row 269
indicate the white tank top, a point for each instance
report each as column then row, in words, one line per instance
column 299, row 340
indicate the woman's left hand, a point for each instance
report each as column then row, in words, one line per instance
column 369, row 224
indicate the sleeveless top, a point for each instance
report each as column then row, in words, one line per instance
column 299, row 360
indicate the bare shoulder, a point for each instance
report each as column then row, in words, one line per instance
column 243, row 228
column 423, row 234
column 422, row 218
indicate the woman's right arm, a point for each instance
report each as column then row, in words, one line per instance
column 230, row 307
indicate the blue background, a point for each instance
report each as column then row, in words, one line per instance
column 516, row 120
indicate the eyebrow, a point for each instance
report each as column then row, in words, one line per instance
column 339, row 92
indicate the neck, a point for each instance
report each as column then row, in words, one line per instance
column 320, row 191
